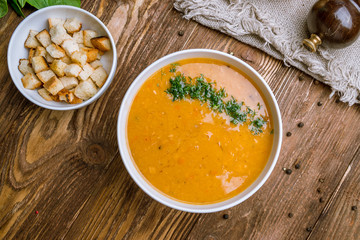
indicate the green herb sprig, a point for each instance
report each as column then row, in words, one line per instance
column 199, row 89
column 17, row 5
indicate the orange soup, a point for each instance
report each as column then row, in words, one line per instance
column 192, row 149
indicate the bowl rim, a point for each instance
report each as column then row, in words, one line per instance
column 141, row 181
column 71, row 106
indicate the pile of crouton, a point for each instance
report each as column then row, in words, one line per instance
column 64, row 62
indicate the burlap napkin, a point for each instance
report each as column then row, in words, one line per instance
column 278, row 27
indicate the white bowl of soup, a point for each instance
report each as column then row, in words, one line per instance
column 199, row 130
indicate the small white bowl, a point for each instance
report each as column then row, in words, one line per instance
column 124, row 113
column 39, row 21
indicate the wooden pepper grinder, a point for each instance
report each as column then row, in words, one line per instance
column 333, row 22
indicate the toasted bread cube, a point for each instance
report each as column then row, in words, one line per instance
column 55, row 21
column 49, row 58
column 66, row 96
column 95, row 64
column 79, row 37
column 44, row 38
column 101, row 43
column 39, row 64
column 91, row 53
column 66, row 59
column 58, row 34
column 31, row 41
column 54, row 85
column 69, row 82
column 99, row 76
column 58, row 67
column 86, row 72
column 40, row 51
column 45, row 94
column 31, row 53
column 70, row 46
column 76, row 100
column 24, row 67
column 85, row 89
column 55, row 51
column 79, row 57
column 88, row 35
column 72, row 25
column 45, row 76
column 72, row 70
column 30, row 81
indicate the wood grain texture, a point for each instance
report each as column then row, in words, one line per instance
column 66, row 165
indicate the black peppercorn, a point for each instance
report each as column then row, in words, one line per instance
column 354, row 208
column 321, row 200
column 309, row 229
column 297, row 166
column 319, row 104
column 300, row 124
column 226, row 216
column 181, row 33
column 290, row 215
column 288, row 171
column 288, row 134
column 301, row 77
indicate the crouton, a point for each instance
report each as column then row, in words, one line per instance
column 40, row 51
column 69, row 82
column 101, row 43
column 76, row 100
column 30, row 81
column 55, row 21
column 58, row 67
column 44, row 38
column 79, row 37
column 91, row 53
column 66, row 59
column 24, row 67
column 85, row 90
column 72, row 70
column 45, row 76
column 55, row 51
column 79, row 57
column 95, row 64
column 45, row 94
column 31, row 53
column 39, row 64
column 70, row 46
column 58, row 34
column 54, row 85
column 86, row 72
column 72, row 25
column 31, row 41
column 66, row 96
column 88, row 35
column 99, row 76
column 49, row 58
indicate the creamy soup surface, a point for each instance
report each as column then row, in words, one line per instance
column 186, row 150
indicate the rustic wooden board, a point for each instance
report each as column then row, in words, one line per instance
column 66, row 165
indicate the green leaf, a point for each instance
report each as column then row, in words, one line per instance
column 14, row 4
column 45, row 3
column 3, row 8
column 22, row 3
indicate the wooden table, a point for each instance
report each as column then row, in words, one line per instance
column 62, row 177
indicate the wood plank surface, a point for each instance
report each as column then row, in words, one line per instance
column 62, row 177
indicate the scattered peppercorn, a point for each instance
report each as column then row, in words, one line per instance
column 354, row 208
column 297, row 166
column 321, row 200
column 321, row 180
column 290, row 215
column 226, row 216
column 309, row 229
column 160, row 147
column 288, row 171
column 318, row 190
column 316, row 82
column 36, row 212
column 301, row 77
column 300, row 124
column 319, row 104
column 181, row 33
column 288, row 134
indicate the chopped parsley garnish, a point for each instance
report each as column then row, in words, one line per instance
column 199, row 89
column 173, row 67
